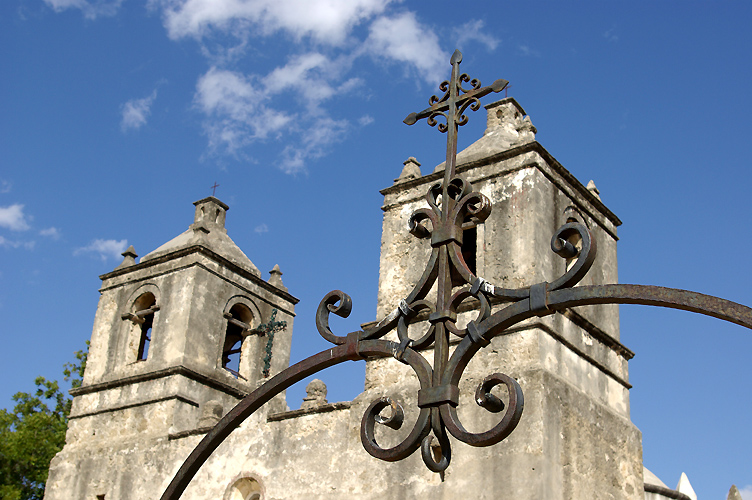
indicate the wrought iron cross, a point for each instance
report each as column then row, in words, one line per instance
column 452, row 107
column 269, row 329
column 214, row 188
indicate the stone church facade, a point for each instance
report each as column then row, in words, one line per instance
column 176, row 344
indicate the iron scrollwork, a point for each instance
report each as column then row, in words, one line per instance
column 453, row 207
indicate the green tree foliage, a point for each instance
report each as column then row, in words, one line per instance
column 34, row 431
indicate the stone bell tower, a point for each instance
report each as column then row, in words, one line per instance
column 575, row 438
column 176, row 343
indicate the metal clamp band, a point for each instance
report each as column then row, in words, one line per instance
column 399, row 353
column 437, row 396
column 539, row 299
column 475, row 335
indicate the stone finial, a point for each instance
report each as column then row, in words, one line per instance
column 275, row 278
column 591, row 187
column 411, row 170
column 734, row 493
column 129, row 257
column 685, row 487
column 509, row 116
column 210, row 215
column 315, row 395
column 211, row 412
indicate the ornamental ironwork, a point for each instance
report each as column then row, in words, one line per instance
column 454, row 207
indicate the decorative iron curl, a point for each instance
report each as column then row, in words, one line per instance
column 474, row 83
column 458, row 186
column 372, row 416
column 460, row 118
column 491, row 403
column 475, row 205
column 484, row 311
column 561, row 245
column 444, row 448
column 432, row 197
column 415, row 224
column 431, row 120
column 339, row 303
column 406, row 320
column 444, row 87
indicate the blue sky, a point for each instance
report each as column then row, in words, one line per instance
column 117, row 115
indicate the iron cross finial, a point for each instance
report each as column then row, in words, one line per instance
column 452, row 106
column 214, row 188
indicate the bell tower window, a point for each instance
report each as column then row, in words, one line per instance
column 245, row 488
column 143, row 346
column 143, row 317
column 470, row 248
column 239, row 320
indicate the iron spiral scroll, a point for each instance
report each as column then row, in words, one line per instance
column 453, row 207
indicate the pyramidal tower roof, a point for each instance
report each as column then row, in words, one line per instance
column 208, row 230
column 507, row 126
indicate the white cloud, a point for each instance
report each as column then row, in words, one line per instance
column 262, row 228
column 236, row 110
column 136, row 111
column 611, row 35
column 326, row 21
column 472, row 31
column 309, row 74
column 51, row 232
column 527, row 51
column 365, row 120
column 105, row 248
column 6, row 243
column 746, row 492
column 403, row 39
column 5, row 186
column 90, row 9
column 315, row 143
column 13, row 218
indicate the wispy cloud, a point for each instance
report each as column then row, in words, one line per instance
column 6, row 243
column 136, row 111
column 309, row 75
column 611, row 35
column 403, row 39
column 472, row 31
column 51, row 232
column 105, row 249
column 314, row 143
column 13, row 218
column 236, row 110
column 527, row 51
column 261, row 228
column 5, row 186
column 365, row 120
column 90, row 9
